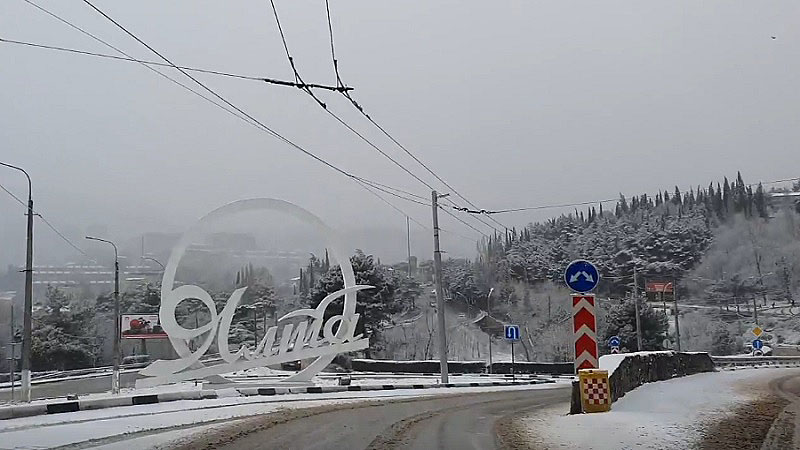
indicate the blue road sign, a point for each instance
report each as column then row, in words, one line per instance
column 512, row 332
column 581, row 276
column 758, row 344
column 614, row 341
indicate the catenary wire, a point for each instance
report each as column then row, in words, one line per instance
column 46, row 222
column 260, row 124
column 272, row 132
column 608, row 200
column 98, row 39
column 383, row 130
column 254, row 122
column 153, row 69
column 190, row 69
column 339, row 119
column 334, row 115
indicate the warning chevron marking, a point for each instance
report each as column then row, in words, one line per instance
column 584, row 324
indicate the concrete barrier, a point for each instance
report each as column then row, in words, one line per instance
column 431, row 367
column 427, row 366
column 561, row 368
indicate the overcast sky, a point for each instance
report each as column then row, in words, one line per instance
column 513, row 103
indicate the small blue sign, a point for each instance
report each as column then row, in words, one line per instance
column 512, row 332
column 614, row 341
column 758, row 344
column 581, row 276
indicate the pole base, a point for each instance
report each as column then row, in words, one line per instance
column 115, row 381
column 26, row 385
column 575, row 405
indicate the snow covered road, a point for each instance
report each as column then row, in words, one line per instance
column 469, row 420
column 147, row 426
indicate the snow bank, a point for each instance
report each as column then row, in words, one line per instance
column 636, row 369
column 666, row 415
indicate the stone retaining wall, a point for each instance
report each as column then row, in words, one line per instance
column 640, row 368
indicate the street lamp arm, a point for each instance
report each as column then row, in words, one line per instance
column 30, row 190
column 91, row 238
column 155, row 261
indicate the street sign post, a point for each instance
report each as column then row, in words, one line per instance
column 584, row 325
column 758, row 344
column 581, row 276
column 614, row 343
column 512, row 334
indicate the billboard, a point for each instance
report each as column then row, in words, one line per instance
column 142, row 326
column 659, row 286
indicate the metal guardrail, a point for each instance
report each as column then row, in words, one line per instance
column 727, row 361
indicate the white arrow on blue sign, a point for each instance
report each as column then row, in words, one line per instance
column 512, row 332
column 758, row 344
column 581, row 276
column 614, row 341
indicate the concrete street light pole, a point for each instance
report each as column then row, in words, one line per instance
column 115, row 373
column 677, row 315
column 489, row 315
column 26, row 321
column 437, row 275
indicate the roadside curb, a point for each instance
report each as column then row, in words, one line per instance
column 13, row 412
column 252, row 391
column 57, row 407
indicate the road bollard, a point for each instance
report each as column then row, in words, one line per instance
column 595, row 390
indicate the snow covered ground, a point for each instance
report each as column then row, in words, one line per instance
column 663, row 415
column 145, row 426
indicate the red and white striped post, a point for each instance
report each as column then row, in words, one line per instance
column 585, row 328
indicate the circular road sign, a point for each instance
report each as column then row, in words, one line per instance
column 581, row 276
column 758, row 344
column 614, row 341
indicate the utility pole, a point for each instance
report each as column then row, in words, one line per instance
column 755, row 310
column 636, row 307
column 489, row 315
column 26, row 320
column 115, row 371
column 437, row 275
column 677, row 321
column 408, row 241
column 12, row 356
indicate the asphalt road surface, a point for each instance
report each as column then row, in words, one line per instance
column 466, row 421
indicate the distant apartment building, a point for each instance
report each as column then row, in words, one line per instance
column 781, row 200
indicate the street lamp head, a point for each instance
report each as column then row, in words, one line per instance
column 92, row 238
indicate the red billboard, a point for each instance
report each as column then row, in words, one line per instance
column 658, row 286
column 142, row 326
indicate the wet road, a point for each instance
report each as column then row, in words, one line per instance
column 468, row 421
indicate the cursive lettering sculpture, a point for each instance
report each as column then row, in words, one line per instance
column 299, row 335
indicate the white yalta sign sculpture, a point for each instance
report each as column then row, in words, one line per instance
column 298, row 335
